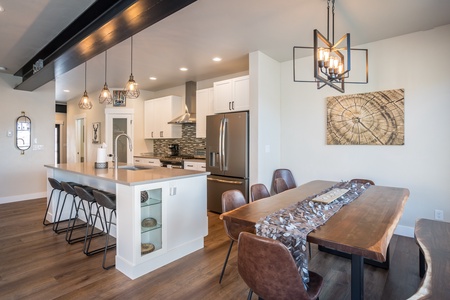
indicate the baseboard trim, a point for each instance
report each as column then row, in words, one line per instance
column 19, row 198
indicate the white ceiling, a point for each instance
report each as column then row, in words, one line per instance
column 207, row 28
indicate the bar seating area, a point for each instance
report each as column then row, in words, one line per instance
column 88, row 210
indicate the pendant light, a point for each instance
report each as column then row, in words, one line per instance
column 131, row 89
column 85, row 102
column 332, row 60
column 105, row 94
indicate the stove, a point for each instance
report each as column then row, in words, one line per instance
column 174, row 161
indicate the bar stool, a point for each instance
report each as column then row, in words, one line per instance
column 60, row 210
column 70, row 190
column 56, row 185
column 106, row 201
column 87, row 195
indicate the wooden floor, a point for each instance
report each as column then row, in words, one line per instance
column 36, row 263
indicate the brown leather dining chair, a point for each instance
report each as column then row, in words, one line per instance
column 233, row 199
column 259, row 191
column 280, row 185
column 288, row 178
column 269, row 270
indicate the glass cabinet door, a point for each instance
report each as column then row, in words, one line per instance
column 151, row 221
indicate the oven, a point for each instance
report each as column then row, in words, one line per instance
column 174, row 162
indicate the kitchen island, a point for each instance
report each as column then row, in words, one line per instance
column 175, row 198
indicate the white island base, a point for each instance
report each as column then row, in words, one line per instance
column 175, row 199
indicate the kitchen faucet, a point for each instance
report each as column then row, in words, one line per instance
column 116, row 157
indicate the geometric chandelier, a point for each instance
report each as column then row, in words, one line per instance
column 332, row 61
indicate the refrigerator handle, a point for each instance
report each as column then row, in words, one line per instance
column 220, row 145
column 236, row 182
column 224, row 145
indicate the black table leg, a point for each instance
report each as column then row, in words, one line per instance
column 357, row 277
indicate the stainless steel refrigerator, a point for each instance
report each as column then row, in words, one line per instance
column 226, row 156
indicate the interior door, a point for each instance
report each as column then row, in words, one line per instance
column 119, row 121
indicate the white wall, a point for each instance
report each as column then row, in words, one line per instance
column 23, row 177
column 416, row 62
column 97, row 114
column 265, row 142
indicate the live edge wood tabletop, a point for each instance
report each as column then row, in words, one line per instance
column 364, row 227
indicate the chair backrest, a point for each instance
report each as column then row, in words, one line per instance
column 259, row 191
column 267, row 267
column 84, row 194
column 280, row 185
column 363, row 181
column 68, row 188
column 55, row 184
column 233, row 199
column 286, row 174
column 104, row 200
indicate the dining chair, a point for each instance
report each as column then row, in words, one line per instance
column 280, row 185
column 233, row 199
column 269, row 270
column 258, row 191
column 286, row 175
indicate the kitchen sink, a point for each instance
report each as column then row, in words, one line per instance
column 135, row 168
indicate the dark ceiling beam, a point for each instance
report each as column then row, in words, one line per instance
column 96, row 30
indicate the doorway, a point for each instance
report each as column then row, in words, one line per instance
column 120, row 121
column 80, row 133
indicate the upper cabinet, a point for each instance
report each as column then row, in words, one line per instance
column 231, row 95
column 158, row 112
column 205, row 107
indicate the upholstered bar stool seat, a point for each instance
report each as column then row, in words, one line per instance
column 108, row 201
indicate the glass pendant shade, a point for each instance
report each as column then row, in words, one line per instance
column 105, row 94
column 131, row 88
column 85, row 102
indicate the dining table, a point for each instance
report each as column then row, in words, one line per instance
column 363, row 228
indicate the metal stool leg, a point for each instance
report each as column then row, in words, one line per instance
column 44, row 221
column 88, row 236
column 226, row 261
column 108, row 230
column 70, row 228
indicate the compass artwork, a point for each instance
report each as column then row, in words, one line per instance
column 366, row 119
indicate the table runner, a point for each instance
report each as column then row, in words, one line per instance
column 291, row 225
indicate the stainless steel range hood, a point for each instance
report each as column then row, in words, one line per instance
column 189, row 116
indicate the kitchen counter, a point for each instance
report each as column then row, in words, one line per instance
column 170, row 196
column 127, row 177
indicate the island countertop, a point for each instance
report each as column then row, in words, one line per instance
column 127, row 177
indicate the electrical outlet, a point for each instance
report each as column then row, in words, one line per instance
column 439, row 214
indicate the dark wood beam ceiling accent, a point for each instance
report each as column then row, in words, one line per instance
column 96, row 30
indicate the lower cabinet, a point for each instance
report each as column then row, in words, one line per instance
column 195, row 165
column 159, row 223
column 147, row 162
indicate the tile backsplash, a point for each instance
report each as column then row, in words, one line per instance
column 188, row 142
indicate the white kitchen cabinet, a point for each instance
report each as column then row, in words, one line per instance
column 231, row 95
column 158, row 112
column 195, row 165
column 147, row 162
column 205, row 107
column 179, row 208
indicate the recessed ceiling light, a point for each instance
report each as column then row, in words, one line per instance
column 66, row 91
column 3, row 68
column 217, row 59
column 152, row 78
column 183, row 69
column 1, row 8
